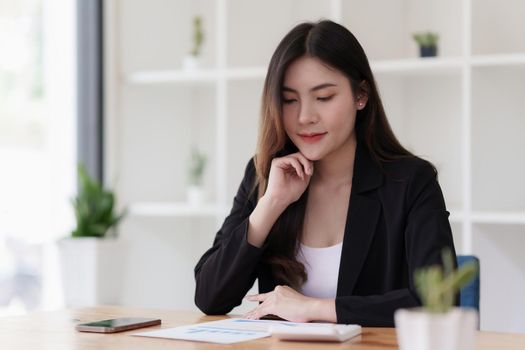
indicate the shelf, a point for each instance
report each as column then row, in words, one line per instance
column 173, row 76
column 489, row 217
column 510, row 218
column 436, row 65
column 411, row 66
column 498, row 60
column 181, row 209
column 174, row 209
column 196, row 76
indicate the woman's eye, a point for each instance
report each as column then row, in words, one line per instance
column 328, row 98
column 322, row 99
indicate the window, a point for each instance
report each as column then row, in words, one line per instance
column 37, row 148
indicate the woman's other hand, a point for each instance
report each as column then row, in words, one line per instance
column 291, row 305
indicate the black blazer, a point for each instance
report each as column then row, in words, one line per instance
column 396, row 222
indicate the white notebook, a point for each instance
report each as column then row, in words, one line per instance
column 315, row 331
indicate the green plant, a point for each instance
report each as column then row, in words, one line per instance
column 94, row 208
column 437, row 286
column 198, row 36
column 427, row 39
column 197, row 166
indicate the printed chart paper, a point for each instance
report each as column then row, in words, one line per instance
column 227, row 331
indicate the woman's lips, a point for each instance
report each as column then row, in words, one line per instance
column 312, row 138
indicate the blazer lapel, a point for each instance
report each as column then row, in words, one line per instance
column 362, row 217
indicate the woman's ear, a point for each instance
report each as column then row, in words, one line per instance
column 362, row 95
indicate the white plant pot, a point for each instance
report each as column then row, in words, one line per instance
column 417, row 329
column 92, row 270
column 195, row 195
column 190, row 62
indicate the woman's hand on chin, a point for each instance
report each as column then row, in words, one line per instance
column 289, row 177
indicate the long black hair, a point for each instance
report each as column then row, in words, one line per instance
column 337, row 47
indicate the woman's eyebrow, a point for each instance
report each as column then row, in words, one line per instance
column 315, row 88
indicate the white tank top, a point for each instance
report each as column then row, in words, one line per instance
column 322, row 268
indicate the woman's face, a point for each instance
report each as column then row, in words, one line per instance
column 319, row 108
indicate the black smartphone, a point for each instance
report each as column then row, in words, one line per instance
column 117, row 324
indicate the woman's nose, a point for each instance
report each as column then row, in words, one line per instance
column 307, row 114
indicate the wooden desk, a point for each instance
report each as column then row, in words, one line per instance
column 55, row 330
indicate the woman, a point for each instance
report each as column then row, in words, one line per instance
column 333, row 215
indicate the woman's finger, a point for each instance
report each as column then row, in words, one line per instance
column 261, row 311
column 292, row 161
column 257, row 297
column 256, row 313
column 249, row 315
column 308, row 165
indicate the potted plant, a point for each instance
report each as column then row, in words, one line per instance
column 92, row 257
column 196, row 174
column 427, row 43
column 191, row 61
column 437, row 324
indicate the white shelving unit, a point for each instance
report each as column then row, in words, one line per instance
column 463, row 110
column 172, row 209
column 516, row 59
